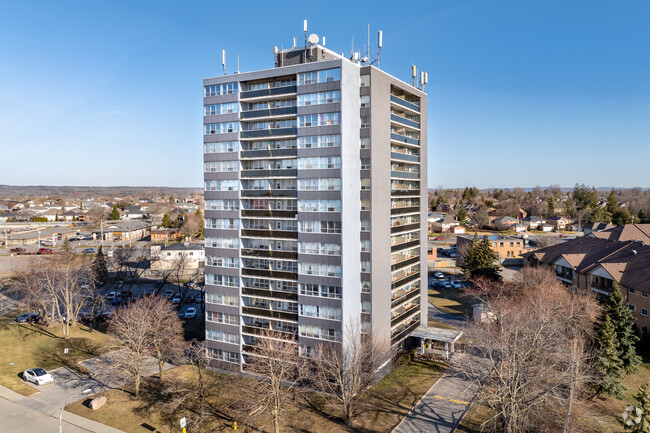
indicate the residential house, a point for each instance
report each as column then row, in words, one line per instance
column 189, row 256
column 534, row 222
column 133, row 213
column 73, row 215
column 627, row 232
column 165, row 234
column 506, row 247
column 560, row 222
column 597, row 227
column 445, row 224
column 594, row 264
column 458, row 230
column 123, row 230
column 505, row 223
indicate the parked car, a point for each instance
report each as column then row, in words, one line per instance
column 456, row 284
column 439, row 238
column 190, row 313
column 447, row 285
column 119, row 284
column 169, row 293
column 29, row 318
column 45, row 251
column 437, row 285
column 89, row 251
column 37, row 376
column 439, row 275
column 176, row 299
column 18, row 250
column 110, row 296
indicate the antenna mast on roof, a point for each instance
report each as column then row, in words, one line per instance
column 223, row 61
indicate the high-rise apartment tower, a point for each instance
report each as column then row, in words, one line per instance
column 315, row 203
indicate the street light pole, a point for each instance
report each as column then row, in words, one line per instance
column 85, row 391
column 39, row 239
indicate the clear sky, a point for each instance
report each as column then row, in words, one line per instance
column 521, row 93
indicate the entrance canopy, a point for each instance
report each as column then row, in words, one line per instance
column 427, row 334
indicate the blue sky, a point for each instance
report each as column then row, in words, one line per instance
column 521, row 93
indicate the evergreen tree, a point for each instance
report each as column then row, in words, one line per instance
column 115, row 214
column 616, row 308
column 551, row 207
column 612, row 202
column 641, row 423
column 462, row 216
column 201, row 232
column 99, row 270
column 641, row 216
column 466, row 194
column 479, row 261
column 621, row 216
column 166, row 222
column 608, row 363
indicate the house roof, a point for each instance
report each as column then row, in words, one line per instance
column 627, row 232
column 123, row 226
column 183, row 247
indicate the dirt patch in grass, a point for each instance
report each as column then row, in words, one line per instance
column 28, row 346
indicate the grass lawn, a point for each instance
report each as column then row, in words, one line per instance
column 452, row 301
column 380, row 408
column 29, row 346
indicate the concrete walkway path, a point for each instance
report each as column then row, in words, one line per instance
column 442, row 408
column 449, row 319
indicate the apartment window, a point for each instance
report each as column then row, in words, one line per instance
column 221, row 299
column 320, row 184
column 365, row 307
column 333, row 140
column 365, row 225
column 512, row 244
column 365, row 287
column 365, row 163
column 223, row 355
column 222, row 185
column 365, row 101
column 321, row 119
column 644, row 294
column 222, row 280
column 319, row 98
column 217, row 317
column 365, row 246
column 214, row 242
column 365, row 121
column 319, row 205
column 220, row 128
column 365, row 266
column 365, row 142
column 322, row 162
column 220, row 89
column 221, row 166
column 224, row 337
column 226, row 108
column 365, row 204
column 221, row 147
column 644, row 312
column 222, row 204
column 630, row 291
column 364, row 80
column 631, row 307
column 222, row 262
column 319, row 76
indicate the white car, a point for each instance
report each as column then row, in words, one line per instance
column 456, row 284
column 37, row 376
column 190, row 313
column 439, row 275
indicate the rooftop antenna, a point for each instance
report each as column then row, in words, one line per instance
column 223, row 61
column 304, row 28
column 379, row 43
column 323, row 40
column 352, row 48
column 414, row 73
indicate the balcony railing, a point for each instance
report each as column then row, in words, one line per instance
column 286, row 172
column 404, row 139
column 404, row 263
column 254, row 330
column 269, row 254
column 268, row 153
column 269, row 92
column 400, row 317
column 269, row 213
column 404, row 174
column 263, row 312
column 404, row 156
column 272, row 132
column 404, row 228
column 269, row 112
column 403, row 210
column 269, row 293
column 289, row 193
column 404, row 121
column 402, row 333
column 405, row 245
column 404, row 103
column 405, row 280
column 258, row 233
column 404, row 298
column 268, row 273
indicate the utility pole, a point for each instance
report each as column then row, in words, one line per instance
column 101, row 230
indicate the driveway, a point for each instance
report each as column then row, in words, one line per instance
column 442, row 408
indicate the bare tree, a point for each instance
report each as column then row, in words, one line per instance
column 131, row 265
column 131, row 329
column 28, row 282
column 278, row 362
column 346, row 370
column 166, row 330
column 532, row 359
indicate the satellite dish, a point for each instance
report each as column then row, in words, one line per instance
column 313, row 38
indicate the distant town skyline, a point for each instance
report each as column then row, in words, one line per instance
column 106, row 93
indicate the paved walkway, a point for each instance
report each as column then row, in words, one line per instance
column 454, row 320
column 442, row 408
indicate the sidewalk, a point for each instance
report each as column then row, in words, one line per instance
column 20, row 415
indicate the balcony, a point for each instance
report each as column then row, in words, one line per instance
column 403, row 315
column 259, row 233
column 404, row 121
column 264, row 312
column 404, row 245
column 255, row 193
column 269, row 92
column 269, row 254
column 411, row 294
column 268, row 273
column 405, row 174
column 286, row 172
column 404, row 210
column 405, row 192
column 405, row 228
column 404, row 156
column 405, row 262
column 254, row 330
column 403, row 103
column 404, row 139
column 273, row 132
column 289, row 296
column 412, row 277
column 270, row 112
column 269, row 213
column 404, row 331
column 268, row 153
